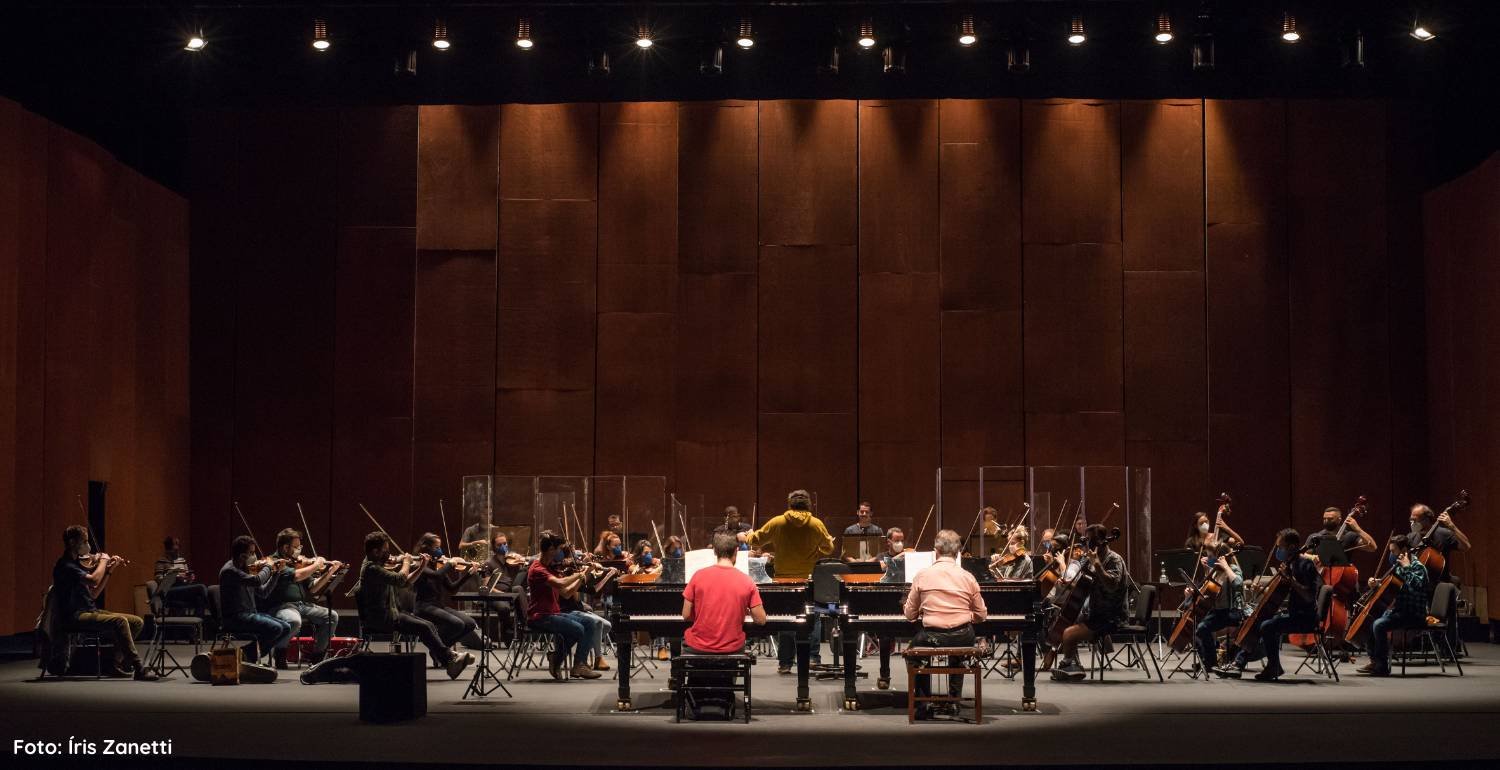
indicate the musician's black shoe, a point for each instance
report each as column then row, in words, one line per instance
column 1269, row 675
column 457, row 664
column 924, row 712
column 279, row 656
column 555, row 658
column 145, row 674
column 1227, row 672
column 783, row 669
column 1374, row 669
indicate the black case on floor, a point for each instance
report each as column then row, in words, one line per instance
column 392, row 686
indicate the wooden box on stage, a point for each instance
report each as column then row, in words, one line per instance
column 224, row 665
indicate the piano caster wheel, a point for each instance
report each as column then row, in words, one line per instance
column 851, row 704
column 1028, row 704
column 622, row 705
column 804, row 705
column 882, row 684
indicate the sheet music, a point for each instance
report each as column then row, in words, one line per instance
column 742, row 561
column 697, row 559
column 916, row 561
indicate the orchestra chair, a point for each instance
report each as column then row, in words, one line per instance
column 701, row 675
column 1433, row 637
column 1132, row 639
column 1319, row 658
column 529, row 648
column 157, row 653
column 71, row 638
column 369, row 630
column 961, row 661
column 224, row 638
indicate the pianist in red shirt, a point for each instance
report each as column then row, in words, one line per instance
column 717, row 600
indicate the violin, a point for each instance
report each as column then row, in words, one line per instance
column 92, row 560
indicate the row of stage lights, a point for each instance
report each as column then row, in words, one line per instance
column 745, row 37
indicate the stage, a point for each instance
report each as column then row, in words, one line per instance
column 1126, row 719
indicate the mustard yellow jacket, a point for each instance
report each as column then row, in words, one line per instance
column 799, row 539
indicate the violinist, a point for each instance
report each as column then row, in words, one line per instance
column 1354, row 539
column 175, row 581
column 291, row 598
column 506, row 568
column 613, row 524
column 376, row 594
column 545, row 614
column 892, row 561
column 1105, row 606
column 596, row 627
column 672, row 547
column 77, row 580
column 1299, row 616
column 610, row 546
column 1408, row 611
column 244, row 581
column 1013, row 562
column 1228, row 610
column 732, row 523
column 642, row 560
column 438, row 577
column 990, row 526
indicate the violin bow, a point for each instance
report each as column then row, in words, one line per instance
column 971, row 530
column 1057, row 519
column 753, row 506
column 918, row 542
column 306, row 532
column 377, row 524
column 442, row 512
column 93, row 544
column 686, row 541
column 657, row 534
column 243, row 521
column 578, row 524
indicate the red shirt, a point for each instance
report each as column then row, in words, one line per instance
column 543, row 597
column 721, row 598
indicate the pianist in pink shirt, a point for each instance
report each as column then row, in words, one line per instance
column 946, row 600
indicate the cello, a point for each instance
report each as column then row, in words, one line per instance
column 1071, row 605
column 1375, row 601
column 1271, row 599
column 1344, row 579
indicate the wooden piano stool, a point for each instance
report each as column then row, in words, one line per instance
column 701, row 674
column 970, row 658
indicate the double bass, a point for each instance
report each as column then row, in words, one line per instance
column 1344, row 579
column 1375, row 601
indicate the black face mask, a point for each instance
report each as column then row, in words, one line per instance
column 1331, row 526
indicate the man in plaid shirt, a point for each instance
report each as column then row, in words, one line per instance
column 1408, row 611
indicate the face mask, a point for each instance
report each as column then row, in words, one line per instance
column 437, row 553
column 83, row 549
column 1204, row 528
column 297, row 552
column 557, row 557
column 646, row 559
column 617, row 550
column 744, row 547
column 1416, row 529
column 677, row 554
column 503, row 548
column 1047, row 547
column 1331, row 526
column 1281, row 553
column 897, row 546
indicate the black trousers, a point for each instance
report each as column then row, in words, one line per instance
column 411, row 625
column 451, row 626
column 963, row 636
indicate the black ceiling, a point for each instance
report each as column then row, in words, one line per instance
column 117, row 71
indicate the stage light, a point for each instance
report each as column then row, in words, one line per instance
column 747, row 34
column 320, row 35
column 1075, row 30
column 966, row 36
column 1163, row 28
column 440, row 35
column 1289, row 31
column 867, row 33
column 196, row 42
column 1421, row 32
column 523, row 34
column 643, row 37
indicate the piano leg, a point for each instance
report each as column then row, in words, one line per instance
column 1028, row 669
column 851, row 671
column 622, row 669
column 887, row 645
column 675, row 647
column 804, row 668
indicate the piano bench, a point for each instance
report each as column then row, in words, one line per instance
column 702, row 679
column 962, row 660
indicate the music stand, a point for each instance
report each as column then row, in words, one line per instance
column 862, row 547
column 483, row 671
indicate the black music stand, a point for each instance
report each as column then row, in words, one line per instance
column 477, row 684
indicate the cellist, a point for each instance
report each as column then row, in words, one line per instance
column 1299, row 616
column 1105, row 605
column 1229, row 606
column 1408, row 611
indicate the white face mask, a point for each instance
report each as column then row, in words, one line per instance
column 297, row 552
column 897, row 546
column 83, row 549
column 1203, row 527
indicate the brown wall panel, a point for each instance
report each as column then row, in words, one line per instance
column 808, row 326
column 372, row 412
column 1166, row 367
column 1073, row 328
column 1162, row 145
column 1179, row 486
column 457, row 180
column 980, row 372
column 898, row 186
column 1075, row 438
column 816, row 452
column 549, row 151
column 1064, row 143
column 980, row 204
column 634, row 424
column 717, row 187
column 898, row 358
column 1250, row 460
column 808, row 173
column 378, row 166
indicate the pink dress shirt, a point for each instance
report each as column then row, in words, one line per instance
column 944, row 596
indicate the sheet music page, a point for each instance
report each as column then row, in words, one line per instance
column 742, row 561
column 916, row 561
column 697, row 559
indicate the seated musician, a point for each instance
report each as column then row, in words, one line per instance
column 1105, row 606
column 1299, row 617
column 596, row 626
column 176, row 584
column 244, row 581
column 1203, row 525
column 893, row 560
column 1229, row 606
column 1355, row 538
column 991, row 524
column 78, row 577
column 945, row 598
column 716, row 602
column 475, row 539
column 544, row 612
column 672, row 547
column 1408, row 611
column 437, row 579
column 505, row 569
column 863, row 525
column 376, row 595
column 609, row 546
column 642, row 560
column 799, row 539
column 613, row 524
column 1012, row 562
column 732, row 523
column 291, row 597
column 1437, row 532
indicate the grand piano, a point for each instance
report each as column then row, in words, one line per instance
column 644, row 604
column 867, row 606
